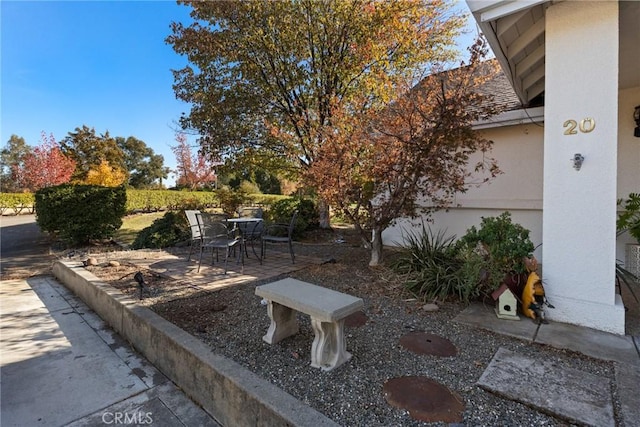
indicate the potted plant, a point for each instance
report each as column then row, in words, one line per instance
column 629, row 218
column 629, row 222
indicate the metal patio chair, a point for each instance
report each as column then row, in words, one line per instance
column 216, row 236
column 250, row 212
column 279, row 233
column 196, row 237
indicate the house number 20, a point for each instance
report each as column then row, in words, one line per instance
column 585, row 126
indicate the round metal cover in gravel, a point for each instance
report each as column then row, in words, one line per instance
column 424, row 343
column 424, row 399
column 356, row 319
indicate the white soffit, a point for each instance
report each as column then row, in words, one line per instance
column 515, row 31
column 499, row 9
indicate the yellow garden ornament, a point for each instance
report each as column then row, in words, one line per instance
column 533, row 296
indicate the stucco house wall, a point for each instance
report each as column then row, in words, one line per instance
column 519, row 189
column 580, row 59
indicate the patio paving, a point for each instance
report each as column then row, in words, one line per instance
column 174, row 264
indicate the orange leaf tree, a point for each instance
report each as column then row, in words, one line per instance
column 194, row 170
column 411, row 157
column 271, row 78
column 105, row 175
column 88, row 150
column 44, row 166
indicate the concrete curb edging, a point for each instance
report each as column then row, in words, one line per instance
column 230, row 393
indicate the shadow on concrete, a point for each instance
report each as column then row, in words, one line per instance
column 62, row 364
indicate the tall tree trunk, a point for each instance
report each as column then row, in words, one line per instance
column 376, row 247
column 323, row 213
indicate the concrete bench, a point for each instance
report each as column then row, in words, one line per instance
column 327, row 309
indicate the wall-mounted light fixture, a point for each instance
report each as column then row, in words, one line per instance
column 636, row 117
column 577, row 160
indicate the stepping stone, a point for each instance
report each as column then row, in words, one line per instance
column 425, row 399
column 430, row 344
column 567, row 393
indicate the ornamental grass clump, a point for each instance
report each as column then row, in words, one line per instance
column 436, row 266
column 430, row 266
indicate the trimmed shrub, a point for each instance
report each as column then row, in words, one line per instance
column 155, row 200
column 231, row 200
column 267, row 199
column 147, row 200
column 80, row 213
column 282, row 211
column 506, row 243
column 164, row 232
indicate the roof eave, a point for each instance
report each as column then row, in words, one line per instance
column 512, row 118
column 487, row 13
column 490, row 10
column 492, row 39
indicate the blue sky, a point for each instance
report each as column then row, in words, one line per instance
column 103, row 64
column 100, row 64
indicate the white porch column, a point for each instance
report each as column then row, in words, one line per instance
column 581, row 103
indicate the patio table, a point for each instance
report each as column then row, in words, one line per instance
column 246, row 226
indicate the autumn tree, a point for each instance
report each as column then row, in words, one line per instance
column 145, row 168
column 45, row 166
column 412, row 157
column 12, row 159
column 105, row 175
column 194, row 170
column 273, row 77
column 142, row 167
column 88, row 150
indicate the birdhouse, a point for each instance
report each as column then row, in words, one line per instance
column 506, row 303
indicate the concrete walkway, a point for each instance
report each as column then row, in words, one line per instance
column 61, row 365
column 566, row 393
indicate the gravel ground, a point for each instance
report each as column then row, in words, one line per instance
column 232, row 322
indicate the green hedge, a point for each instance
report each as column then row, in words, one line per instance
column 16, row 203
column 144, row 200
column 266, row 199
column 155, row 200
column 80, row 213
column 282, row 211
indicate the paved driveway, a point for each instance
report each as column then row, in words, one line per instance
column 24, row 249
